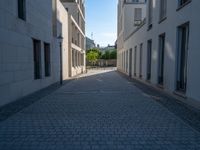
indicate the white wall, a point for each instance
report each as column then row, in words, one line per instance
column 129, row 12
column 63, row 28
column 169, row 26
column 16, row 48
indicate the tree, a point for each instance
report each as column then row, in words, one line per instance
column 92, row 57
column 95, row 50
column 110, row 55
column 113, row 54
column 106, row 55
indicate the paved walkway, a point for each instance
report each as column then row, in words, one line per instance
column 101, row 111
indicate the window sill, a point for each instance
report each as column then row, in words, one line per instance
column 162, row 20
column 180, row 94
column 183, row 5
column 21, row 19
column 161, row 86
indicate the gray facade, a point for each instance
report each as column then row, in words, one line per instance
column 17, row 34
column 30, row 54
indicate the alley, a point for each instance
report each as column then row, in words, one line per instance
column 99, row 110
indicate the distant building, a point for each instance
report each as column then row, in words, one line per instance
column 89, row 43
column 77, row 38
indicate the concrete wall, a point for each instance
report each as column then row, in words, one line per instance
column 63, row 29
column 16, row 48
column 129, row 12
column 175, row 18
column 76, row 43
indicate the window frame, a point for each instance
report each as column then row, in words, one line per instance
column 182, row 5
column 150, row 14
column 162, row 17
column 179, row 55
column 37, row 59
column 47, row 59
column 21, row 7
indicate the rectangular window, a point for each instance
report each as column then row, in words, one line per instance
column 37, row 58
column 183, row 38
column 73, row 58
column 149, row 51
column 22, row 9
column 163, row 9
column 82, row 61
column 183, row 2
column 47, row 59
column 141, row 53
column 123, row 61
column 138, row 16
column 150, row 13
column 127, row 61
column 130, row 62
column 161, row 56
column 135, row 61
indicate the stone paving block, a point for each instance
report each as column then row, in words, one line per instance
column 87, row 114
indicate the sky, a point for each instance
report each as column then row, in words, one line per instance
column 101, row 20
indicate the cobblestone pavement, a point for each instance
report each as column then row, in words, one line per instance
column 100, row 111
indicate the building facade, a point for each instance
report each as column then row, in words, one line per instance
column 31, row 55
column 163, row 50
column 26, row 55
column 90, row 43
column 77, row 38
column 131, row 13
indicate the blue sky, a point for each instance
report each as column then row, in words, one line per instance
column 101, row 20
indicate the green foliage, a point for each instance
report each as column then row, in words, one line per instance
column 110, row 55
column 95, row 50
column 93, row 55
column 113, row 54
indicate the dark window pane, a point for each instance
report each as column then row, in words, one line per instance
column 37, row 59
column 47, row 59
column 22, row 9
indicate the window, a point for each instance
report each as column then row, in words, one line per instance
column 79, row 59
column 141, row 53
column 150, row 13
column 124, row 65
column 73, row 58
column 135, row 61
column 149, row 51
column 47, row 59
column 126, row 61
column 163, row 9
column 161, row 56
column 138, row 16
column 82, row 59
column 37, row 58
column 22, row 9
column 183, row 38
column 130, row 62
column 183, row 2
